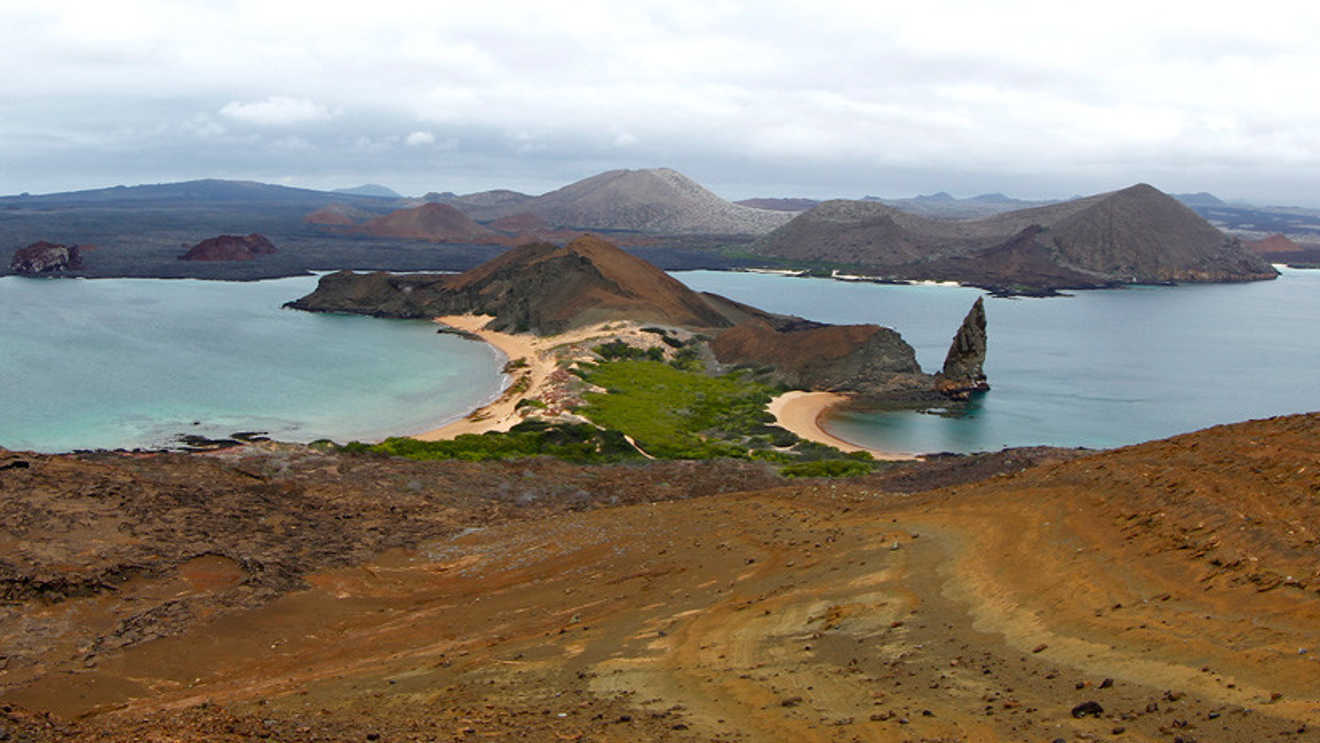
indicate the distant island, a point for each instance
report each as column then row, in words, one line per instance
column 1135, row 235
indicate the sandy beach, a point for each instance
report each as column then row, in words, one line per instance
column 535, row 360
column 800, row 412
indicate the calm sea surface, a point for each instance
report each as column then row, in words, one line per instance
column 1098, row 369
column 134, row 362
column 130, row 362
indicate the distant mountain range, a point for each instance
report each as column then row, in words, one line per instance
column 1136, row 235
column 193, row 193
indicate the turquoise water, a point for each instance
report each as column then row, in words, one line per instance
column 134, row 362
column 1098, row 369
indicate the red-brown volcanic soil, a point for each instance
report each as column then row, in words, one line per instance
column 1162, row 592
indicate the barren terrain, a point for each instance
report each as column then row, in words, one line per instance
column 1162, row 592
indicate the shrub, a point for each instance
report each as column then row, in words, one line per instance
column 826, row 468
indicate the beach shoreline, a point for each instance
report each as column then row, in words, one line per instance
column 531, row 360
column 801, row 413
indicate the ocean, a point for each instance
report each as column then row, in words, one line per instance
column 114, row 363
column 111, row 363
column 1097, row 369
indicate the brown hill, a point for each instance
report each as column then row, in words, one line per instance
column 1276, row 243
column 435, row 222
column 1134, row 235
column 1140, row 234
column 230, row 248
column 539, row 288
column 659, row 201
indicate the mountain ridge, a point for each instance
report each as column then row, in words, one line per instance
column 1134, row 235
column 655, row 200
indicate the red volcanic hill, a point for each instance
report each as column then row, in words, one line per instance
column 230, row 248
column 435, row 222
column 1273, row 244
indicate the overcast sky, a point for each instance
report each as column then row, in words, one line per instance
column 1034, row 99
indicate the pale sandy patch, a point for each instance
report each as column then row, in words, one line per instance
column 528, row 382
column 801, row 412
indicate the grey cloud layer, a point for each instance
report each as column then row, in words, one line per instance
column 837, row 98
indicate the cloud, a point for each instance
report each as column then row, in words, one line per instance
column 418, row 139
column 835, row 98
column 276, row 111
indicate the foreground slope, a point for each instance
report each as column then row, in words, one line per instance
column 1173, row 594
column 1135, row 235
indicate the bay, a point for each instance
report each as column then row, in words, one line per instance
column 1097, row 369
column 111, row 363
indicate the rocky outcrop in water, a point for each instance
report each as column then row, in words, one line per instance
column 230, row 248
column 963, row 371
column 45, row 257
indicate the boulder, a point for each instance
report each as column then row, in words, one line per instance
column 45, row 257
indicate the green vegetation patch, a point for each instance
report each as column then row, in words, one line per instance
column 672, row 411
column 827, row 468
column 580, row 442
column 677, row 414
column 615, row 350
